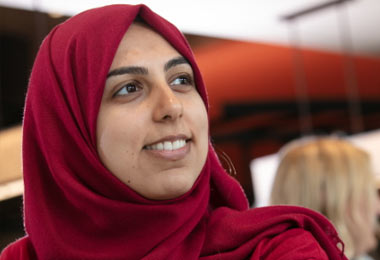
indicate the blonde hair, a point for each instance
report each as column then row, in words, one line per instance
column 332, row 176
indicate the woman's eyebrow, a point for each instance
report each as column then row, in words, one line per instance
column 128, row 70
column 174, row 62
column 144, row 71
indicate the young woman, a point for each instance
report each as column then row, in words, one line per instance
column 117, row 159
column 334, row 177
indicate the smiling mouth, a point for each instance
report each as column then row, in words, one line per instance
column 168, row 145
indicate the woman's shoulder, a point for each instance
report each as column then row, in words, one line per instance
column 20, row 249
column 295, row 243
column 276, row 232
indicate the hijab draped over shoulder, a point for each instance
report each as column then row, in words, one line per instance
column 76, row 209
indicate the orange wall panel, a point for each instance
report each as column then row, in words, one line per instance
column 248, row 72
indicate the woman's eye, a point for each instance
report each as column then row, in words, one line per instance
column 127, row 89
column 181, row 80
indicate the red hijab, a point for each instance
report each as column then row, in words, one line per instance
column 76, row 209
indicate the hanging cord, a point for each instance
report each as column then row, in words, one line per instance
column 40, row 24
column 1, row 87
column 349, row 69
column 356, row 120
column 305, row 119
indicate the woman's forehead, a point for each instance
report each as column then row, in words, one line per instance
column 139, row 42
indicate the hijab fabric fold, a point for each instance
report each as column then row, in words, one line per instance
column 76, row 209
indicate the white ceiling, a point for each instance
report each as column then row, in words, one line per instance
column 252, row 20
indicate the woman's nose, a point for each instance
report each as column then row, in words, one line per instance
column 168, row 106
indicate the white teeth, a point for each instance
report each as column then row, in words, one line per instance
column 167, row 145
column 175, row 145
column 158, row 146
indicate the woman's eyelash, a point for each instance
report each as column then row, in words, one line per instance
column 127, row 88
column 132, row 87
column 183, row 80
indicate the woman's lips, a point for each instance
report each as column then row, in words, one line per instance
column 167, row 145
column 169, row 138
column 170, row 148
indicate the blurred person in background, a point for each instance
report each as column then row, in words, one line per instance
column 334, row 177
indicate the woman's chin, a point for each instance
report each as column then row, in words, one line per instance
column 172, row 189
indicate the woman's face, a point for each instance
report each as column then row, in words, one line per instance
column 152, row 128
